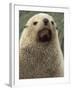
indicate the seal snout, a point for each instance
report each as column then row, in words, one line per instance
column 44, row 35
column 45, row 20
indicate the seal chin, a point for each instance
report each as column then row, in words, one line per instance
column 44, row 35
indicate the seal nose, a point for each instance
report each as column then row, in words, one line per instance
column 44, row 35
column 45, row 20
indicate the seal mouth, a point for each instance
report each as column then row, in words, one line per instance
column 44, row 35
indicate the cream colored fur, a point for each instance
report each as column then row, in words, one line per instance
column 38, row 59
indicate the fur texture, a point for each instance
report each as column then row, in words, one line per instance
column 36, row 58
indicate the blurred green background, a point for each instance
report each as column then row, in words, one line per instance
column 58, row 17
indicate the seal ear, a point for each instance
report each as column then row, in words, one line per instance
column 25, row 26
column 56, row 28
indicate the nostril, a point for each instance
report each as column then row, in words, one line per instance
column 45, row 20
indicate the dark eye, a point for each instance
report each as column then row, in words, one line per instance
column 52, row 22
column 35, row 23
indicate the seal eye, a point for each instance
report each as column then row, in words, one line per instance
column 35, row 23
column 52, row 22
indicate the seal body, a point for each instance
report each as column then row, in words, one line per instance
column 40, row 54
